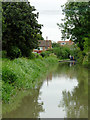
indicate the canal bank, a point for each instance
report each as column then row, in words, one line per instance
column 59, row 93
column 23, row 73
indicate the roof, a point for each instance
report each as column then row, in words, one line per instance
column 44, row 43
column 66, row 41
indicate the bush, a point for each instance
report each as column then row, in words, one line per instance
column 75, row 53
column 14, row 52
column 62, row 52
column 38, row 56
column 32, row 56
column 52, row 55
column 6, row 91
column 46, row 53
column 80, row 57
column 35, row 55
column 8, row 75
column 4, row 54
column 85, row 60
column 43, row 54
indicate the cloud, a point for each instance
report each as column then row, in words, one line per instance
column 50, row 14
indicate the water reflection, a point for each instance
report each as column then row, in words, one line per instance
column 49, row 78
column 75, row 103
column 63, row 94
column 29, row 108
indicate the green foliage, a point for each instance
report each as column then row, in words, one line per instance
column 86, row 44
column 7, row 91
column 38, row 56
column 52, row 55
column 39, row 37
column 20, row 27
column 80, row 57
column 45, row 53
column 14, row 52
column 8, row 75
column 76, row 23
column 74, row 50
column 85, row 60
column 55, row 45
column 75, row 26
column 32, row 56
column 4, row 54
column 62, row 52
column 35, row 55
column 23, row 73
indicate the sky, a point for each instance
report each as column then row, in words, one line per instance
column 50, row 13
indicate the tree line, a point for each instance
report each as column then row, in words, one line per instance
column 20, row 28
column 75, row 25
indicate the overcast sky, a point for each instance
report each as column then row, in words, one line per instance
column 50, row 14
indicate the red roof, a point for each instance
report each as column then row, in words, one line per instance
column 69, row 42
column 44, row 43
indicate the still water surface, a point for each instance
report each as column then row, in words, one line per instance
column 62, row 94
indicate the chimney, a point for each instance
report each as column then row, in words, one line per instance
column 46, row 37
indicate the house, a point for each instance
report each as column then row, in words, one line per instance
column 62, row 43
column 43, row 45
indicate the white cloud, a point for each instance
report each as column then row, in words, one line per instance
column 49, row 15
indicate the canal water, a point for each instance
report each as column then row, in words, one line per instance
column 62, row 94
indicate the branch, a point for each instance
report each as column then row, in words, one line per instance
column 77, row 21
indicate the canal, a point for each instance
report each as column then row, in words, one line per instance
column 62, row 94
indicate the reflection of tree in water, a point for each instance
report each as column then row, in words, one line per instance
column 65, row 70
column 75, row 103
column 29, row 108
column 74, row 71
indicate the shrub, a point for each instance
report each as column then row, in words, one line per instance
column 46, row 53
column 43, row 54
column 52, row 55
column 6, row 91
column 85, row 60
column 62, row 52
column 8, row 75
column 38, row 56
column 32, row 56
column 80, row 57
column 14, row 52
column 74, row 53
column 4, row 54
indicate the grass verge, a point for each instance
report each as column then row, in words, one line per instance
column 22, row 73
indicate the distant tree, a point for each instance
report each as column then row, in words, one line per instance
column 20, row 27
column 55, row 45
column 76, row 23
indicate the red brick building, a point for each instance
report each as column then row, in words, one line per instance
column 62, row 43
column 43, row 46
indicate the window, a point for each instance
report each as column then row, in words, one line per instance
column 41, row 48
column 63, row 43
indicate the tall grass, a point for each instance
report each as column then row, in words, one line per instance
column 22, row 73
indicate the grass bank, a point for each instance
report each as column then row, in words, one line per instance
column 23, row 73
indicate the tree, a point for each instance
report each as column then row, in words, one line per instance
column 39, row 37
column 55, row 45
column 76, row 23
column 20, row 27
